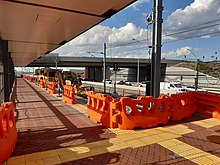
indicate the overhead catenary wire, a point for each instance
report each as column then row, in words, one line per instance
column 190, row 30
column 181, row 39
column 196, row 36
column 191, row 37
column 186, row 30
column 193, row 27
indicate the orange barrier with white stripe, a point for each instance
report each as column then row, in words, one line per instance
column 8, row 132
column 208, row 104
column 68, row 94
column 51, row 87
column 182, row 105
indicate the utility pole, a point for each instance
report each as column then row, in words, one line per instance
column 197, row 74
column 197, row 70
column 138, row 72
column 156, row 48
column 104, row 68
column 115, row 68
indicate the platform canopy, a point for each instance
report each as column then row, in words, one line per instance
column 36, row 27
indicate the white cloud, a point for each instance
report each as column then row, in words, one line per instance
column 126, row 33
column 178, row 53
column 197, row 13
column 138, row 3
column 119, row 41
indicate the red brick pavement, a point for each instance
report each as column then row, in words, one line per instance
column 45, row 123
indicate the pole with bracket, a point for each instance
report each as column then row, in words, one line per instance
column 156, row 48
column 104, row 68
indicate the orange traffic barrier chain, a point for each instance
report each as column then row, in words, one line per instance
column 68, row 94
column 51, row 87
column 25, row 76
column 98, row 107
column 145, row 112
column 126, row 113
column 182, row 105
column 8, row 132
column 208, row 104
column 30, row 78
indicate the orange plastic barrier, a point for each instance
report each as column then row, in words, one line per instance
column 126, row 113
column 68, row 94
column 208, row 104
column 41, row 83
column 25, row 76
column 51, row 87
column 98, row 107
column 182, row 105
column 143, row 112
column 8, row 132
column 30, row 78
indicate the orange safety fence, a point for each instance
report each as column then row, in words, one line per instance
column 25, row 76
column 126, row 113
column 8, row 132
column 31, row 78
column 208, row 104
column 41, row 83
column 68, row 94
column 182, row 105
column 146, row 112
column 143, row 112
column 51, row 87
column 98, row 107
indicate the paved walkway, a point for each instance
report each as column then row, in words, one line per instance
column 52, row 132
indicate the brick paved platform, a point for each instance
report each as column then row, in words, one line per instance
column 52, row 132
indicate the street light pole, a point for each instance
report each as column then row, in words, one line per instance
column 197, row 74
column 104, row 68
column 138, row 71
column 197, row 70
column 138, row 64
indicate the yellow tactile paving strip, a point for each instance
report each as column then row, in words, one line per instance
column 207, row 123
column 178, row 129
column 191, row 153
column 124, row 139
column 166, row 137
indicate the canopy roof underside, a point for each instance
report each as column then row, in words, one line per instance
column 36, row 27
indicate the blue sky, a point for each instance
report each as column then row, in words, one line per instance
column 189, row 26
column 137, row 15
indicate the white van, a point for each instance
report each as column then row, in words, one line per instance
column 176, row 86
